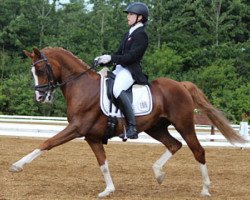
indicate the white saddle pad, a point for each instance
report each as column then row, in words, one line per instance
column 142, row 98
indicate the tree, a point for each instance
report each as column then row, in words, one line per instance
column 223, row 20
column 26, row 25
column 162, row 62
column 206, row 42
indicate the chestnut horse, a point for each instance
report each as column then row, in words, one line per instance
column 173, row 104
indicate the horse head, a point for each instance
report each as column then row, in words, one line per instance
column 44, row 76
column 53, row 68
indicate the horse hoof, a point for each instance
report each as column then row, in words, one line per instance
column 159, row 175
column 205, row 193
column 106, row 192
column 161, row 178
column 15, row 168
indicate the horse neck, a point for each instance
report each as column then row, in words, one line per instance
column 78, row 92
column 71, row 69
column 65, row 65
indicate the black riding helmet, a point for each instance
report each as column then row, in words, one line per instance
column 139, row 9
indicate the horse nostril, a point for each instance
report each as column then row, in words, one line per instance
column 40, row 98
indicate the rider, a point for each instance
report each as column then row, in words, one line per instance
column 126, row 62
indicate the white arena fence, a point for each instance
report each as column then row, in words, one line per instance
column 45, row 127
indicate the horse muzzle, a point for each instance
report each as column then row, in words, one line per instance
column 44, row 97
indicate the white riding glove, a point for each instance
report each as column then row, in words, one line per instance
column 104, row 59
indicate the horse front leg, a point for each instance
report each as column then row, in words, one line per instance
column 98, row 149
column 160, row 133
column 63, row 136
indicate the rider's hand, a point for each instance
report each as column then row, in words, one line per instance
column 104, row 59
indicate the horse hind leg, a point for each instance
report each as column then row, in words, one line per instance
column 160, row 133
column 172, row 148
column 187, row 131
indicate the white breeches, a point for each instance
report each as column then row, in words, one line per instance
column 123, row 80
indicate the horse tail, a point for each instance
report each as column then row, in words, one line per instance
column 216, row 116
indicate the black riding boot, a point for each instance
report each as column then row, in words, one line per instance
column 127, row 110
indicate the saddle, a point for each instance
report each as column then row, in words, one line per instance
column 140, row 96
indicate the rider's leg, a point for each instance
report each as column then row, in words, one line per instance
column 127, row 110
column 122, row 82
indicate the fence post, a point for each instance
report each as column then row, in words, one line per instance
column 212, row 132
column 244, row 130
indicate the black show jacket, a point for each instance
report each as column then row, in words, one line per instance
column 130, row 53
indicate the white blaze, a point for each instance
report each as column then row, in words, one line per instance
column 33, row 70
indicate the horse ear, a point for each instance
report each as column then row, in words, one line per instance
column 37, row 52
column 28, row 54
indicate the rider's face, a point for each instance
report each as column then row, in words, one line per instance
column 132, row 18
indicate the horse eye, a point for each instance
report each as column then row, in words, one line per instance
column 40, row 72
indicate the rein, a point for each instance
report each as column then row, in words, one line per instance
column 51, row 85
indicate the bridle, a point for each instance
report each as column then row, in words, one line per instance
column 52, row 85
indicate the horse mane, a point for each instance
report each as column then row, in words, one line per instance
column 60, row 49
